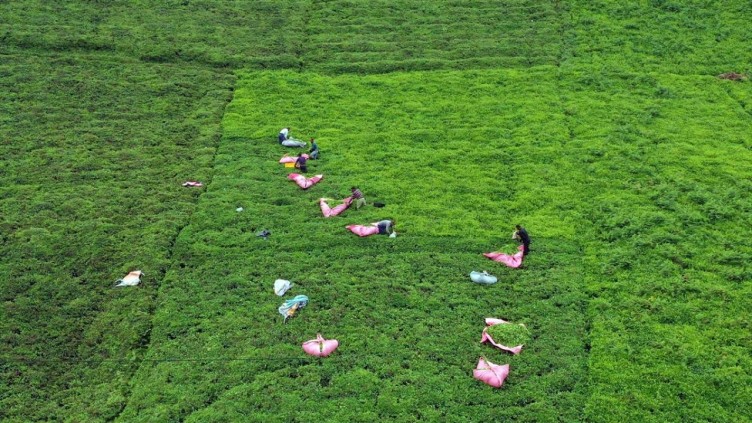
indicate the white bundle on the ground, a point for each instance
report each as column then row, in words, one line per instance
column 482, row 277
column 131, row 279
column 281, row 286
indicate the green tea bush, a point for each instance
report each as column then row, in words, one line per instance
column 92, row 201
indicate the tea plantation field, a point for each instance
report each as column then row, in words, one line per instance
column 600, row 126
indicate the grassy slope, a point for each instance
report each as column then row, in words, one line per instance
column 339, row 36
column 662, row 36
column 217, row 33
column 388, row 35
column 94, row 156
column 109, row 139
column 669, row 161
column 404, row 310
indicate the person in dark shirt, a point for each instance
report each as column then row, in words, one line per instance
column 386, row 226
column 521, row 235
column 301, row 163
column 314, row 151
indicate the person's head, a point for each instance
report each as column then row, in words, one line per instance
column 300, row 154
column 353, row 188
column 518, row 227
column 313, row 140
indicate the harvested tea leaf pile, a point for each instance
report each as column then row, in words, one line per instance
column 509, row 334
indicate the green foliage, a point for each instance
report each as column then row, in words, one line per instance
column 662, row 36
column 667, row 229
column 92, row 167
column 510, row 335
column 258, row 33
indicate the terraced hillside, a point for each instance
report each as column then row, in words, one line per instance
column 601, row 126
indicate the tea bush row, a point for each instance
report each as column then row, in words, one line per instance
column 94, row 156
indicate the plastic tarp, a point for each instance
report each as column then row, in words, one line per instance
column 281, row 286
column 291, row 159
column 510, row 260
column 320, row 347
column 293, row 143
column 131, row 279
column 290, row 307
column 482, row 278
column 334, row 211
column 490, row 373
column 304, row 182
column 486, row 337
column 363, row 230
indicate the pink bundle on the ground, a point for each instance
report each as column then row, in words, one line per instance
column 362, row 230
column 490, row 321
column 320, row 347
column 511, row 261
column 304, row 182
column 333, row 211
column 490, row 373
column 291, row 159
column 192, row 184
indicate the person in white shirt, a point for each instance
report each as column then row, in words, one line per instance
column 286, row 139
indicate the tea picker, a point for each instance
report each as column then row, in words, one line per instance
column 286, row 139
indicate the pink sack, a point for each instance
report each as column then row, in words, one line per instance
column 320, row 347
column 291, row 159
column 362, row 230
column 511, row 261
column 192, row 184
column 490, row 321
column 304, row 182
column 329, row 211
column 490, row 373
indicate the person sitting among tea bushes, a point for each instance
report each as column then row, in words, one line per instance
column 520, row 234
column 286, row 139
column 385, row 226
column 301, row 163
column 314, row 151
column 358, row 197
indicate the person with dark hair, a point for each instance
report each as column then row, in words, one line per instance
column 301, row 163
column 314, row 151
column 521, row 235
column 285, row 138
column 283, row 134
column 386, row 227
column 357, row 197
